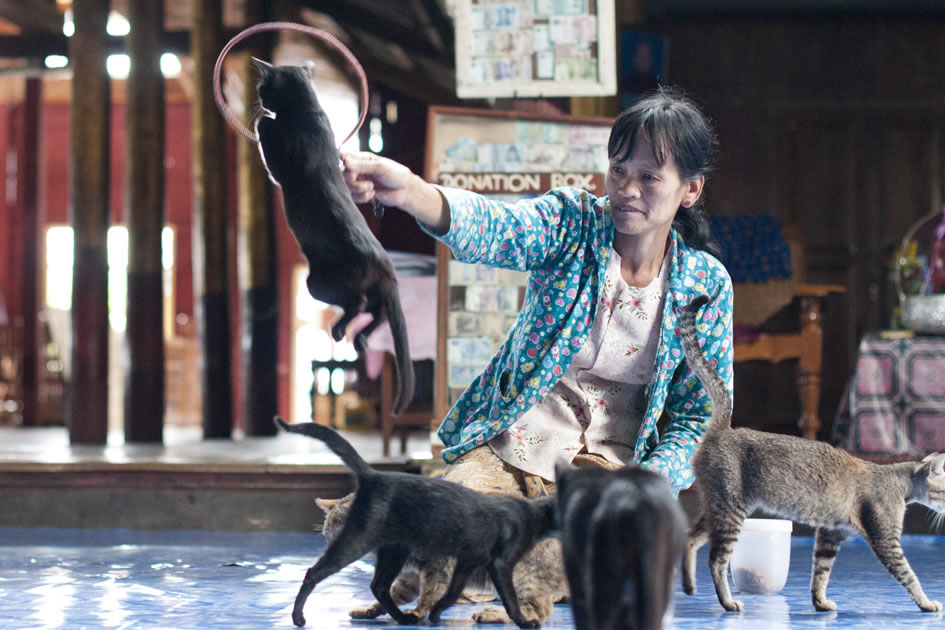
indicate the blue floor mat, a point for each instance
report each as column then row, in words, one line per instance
column 65, row 578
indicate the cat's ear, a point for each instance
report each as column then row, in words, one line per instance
column 310, row 69
column 936, row 464
column 326, row 504
column 262, row 67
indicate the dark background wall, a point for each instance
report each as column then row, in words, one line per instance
column 836, row 123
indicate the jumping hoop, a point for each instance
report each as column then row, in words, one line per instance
column 235, row 122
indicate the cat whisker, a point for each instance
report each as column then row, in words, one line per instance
column 936, row 522
column 257, row 111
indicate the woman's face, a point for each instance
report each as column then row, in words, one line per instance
column 645, row 196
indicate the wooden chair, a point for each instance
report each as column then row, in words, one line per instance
column 419, row 413
column 804, row 344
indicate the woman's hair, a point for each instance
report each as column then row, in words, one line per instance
column 674, row 125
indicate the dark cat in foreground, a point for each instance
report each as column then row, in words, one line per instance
column 399, row 514
column 622, row 532
column 347, row 265
column 738, row 470
column 538, row 578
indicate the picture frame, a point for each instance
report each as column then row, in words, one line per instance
column 535, row 48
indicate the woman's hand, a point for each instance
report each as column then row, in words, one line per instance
column 371, row 177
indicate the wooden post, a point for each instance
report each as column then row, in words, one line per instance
column 210, row 249
column 87, row 405
column 144, row 214
column 24, row 142
column 258, row 262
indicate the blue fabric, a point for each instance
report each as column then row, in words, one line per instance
column 564, row 240
column 753, row 247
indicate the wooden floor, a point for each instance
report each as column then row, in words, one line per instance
column 184, row 445
column 244, row 484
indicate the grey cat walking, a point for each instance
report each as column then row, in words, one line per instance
column 538, row 578
column 398, row 514
column 738, row 470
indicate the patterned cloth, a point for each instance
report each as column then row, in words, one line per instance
column 895, row 402
column 481, row 470
column 599, row 402
column 753, row 247
column 564, row 239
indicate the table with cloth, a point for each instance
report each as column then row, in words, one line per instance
column 895, row 402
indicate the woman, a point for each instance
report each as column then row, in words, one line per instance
column 592, row 361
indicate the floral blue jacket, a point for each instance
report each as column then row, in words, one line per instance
column 565, row 249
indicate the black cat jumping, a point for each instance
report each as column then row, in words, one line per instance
column 348, row 267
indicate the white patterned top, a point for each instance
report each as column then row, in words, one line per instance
column 600, row 401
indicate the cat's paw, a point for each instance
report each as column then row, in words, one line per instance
column 416, row 613
column 733, row 605
column 298, row 618
column 825, row 605
column 371, row 612
column 530, row 623
column 409, row 618
column 491, row 614
column 689, row 581
column 540, row 608
column 931, row 606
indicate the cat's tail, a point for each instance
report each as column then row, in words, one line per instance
column 398, row 329
column 339, row 446
column 713, row 383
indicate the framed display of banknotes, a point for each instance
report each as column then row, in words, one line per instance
column 507, row 156
column 528, row 48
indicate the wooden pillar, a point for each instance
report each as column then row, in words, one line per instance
column 258, row 262
column 210, row 250
column 144, row 214
column 87, row 406
column 26, row 308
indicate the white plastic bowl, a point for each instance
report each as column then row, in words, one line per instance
column 762, row 555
